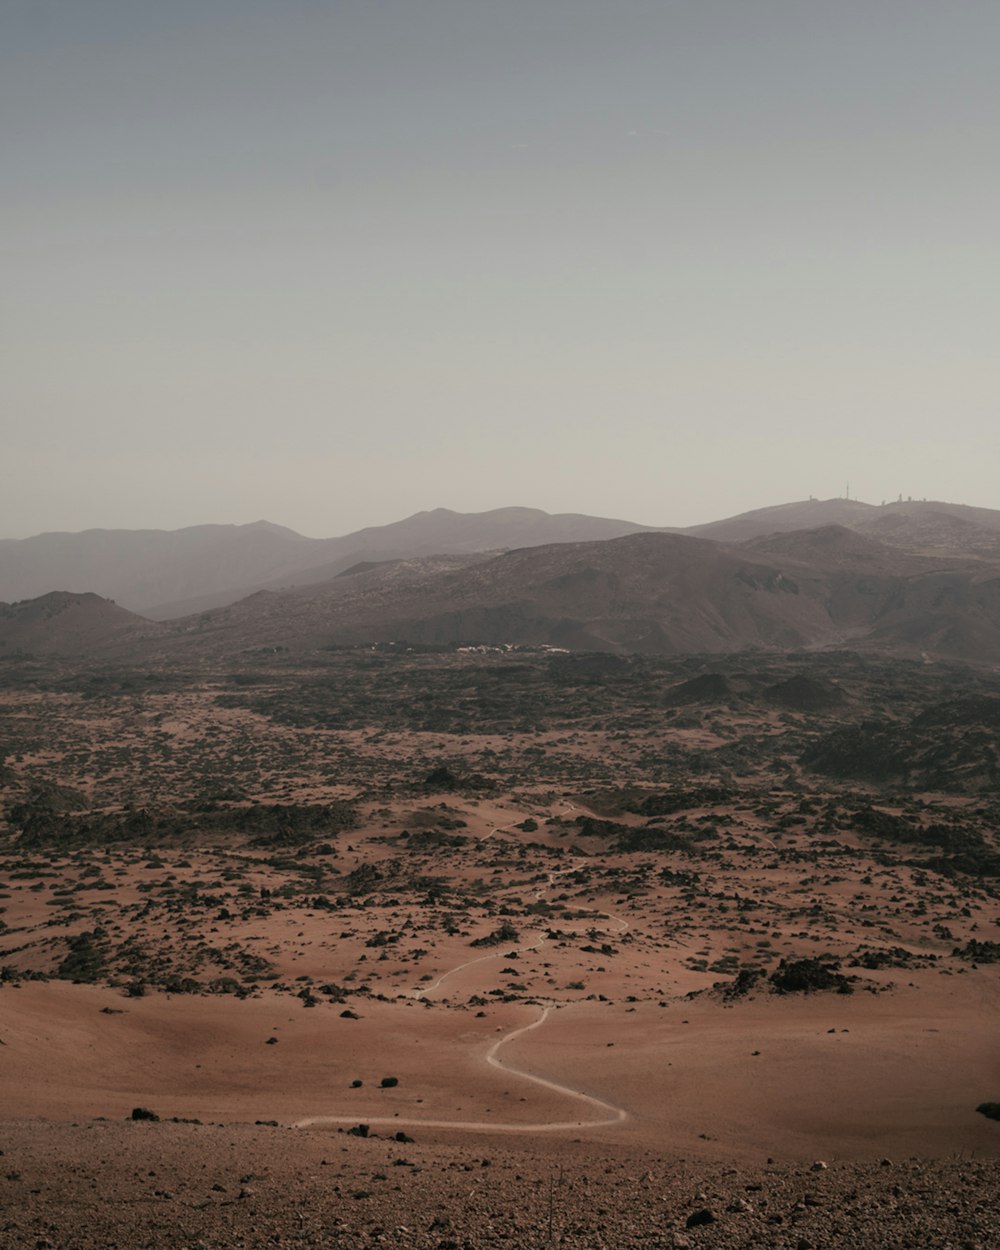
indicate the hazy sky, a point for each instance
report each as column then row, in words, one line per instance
column 330, row 262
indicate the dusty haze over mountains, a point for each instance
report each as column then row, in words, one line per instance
column 333, row 263
column 917, row 579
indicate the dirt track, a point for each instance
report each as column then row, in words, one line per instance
column 616, row 1115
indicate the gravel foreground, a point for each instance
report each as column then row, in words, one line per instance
column 119, row 1186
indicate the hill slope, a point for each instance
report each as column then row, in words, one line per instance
column 655, row 593
column 68, row 624
column 652, row 593
column 921, row 526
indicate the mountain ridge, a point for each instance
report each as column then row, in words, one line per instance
column 169, row 573
column 166, row 574
column 653, row 593
column 910, row 578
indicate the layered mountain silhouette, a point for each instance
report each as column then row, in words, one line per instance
column 164, row 574
column 168, row 573
column 914, row 579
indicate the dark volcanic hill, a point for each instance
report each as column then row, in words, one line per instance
column 170, row 573
column 66, row 624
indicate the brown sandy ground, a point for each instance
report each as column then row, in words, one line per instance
column 115, row 1186
column 203, row 949
column 841, row 1077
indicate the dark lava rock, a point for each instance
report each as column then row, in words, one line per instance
column 802, row 976
column 805, row 694
column 441, row 779
column 708, row 688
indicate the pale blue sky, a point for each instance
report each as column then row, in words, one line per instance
column 334, row 262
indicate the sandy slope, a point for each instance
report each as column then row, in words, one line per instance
column 900, row 1073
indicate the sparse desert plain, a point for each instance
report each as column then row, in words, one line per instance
column 651, row 936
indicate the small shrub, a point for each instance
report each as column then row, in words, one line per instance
column 803, row 976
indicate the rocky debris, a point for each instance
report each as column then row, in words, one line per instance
column 792, row 976
column 871, row 959
column 98, row 1184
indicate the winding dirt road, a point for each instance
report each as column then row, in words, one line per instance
column 607, row 1113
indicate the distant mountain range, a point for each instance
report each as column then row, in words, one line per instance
column 169, row 573
column 911, row 578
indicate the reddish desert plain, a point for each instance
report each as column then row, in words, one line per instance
column 470, row 948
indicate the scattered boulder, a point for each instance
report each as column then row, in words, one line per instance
column 441, row 778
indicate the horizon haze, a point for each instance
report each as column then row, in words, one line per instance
column 334, row 264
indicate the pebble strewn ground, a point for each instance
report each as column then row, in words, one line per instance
column 115, row 1186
